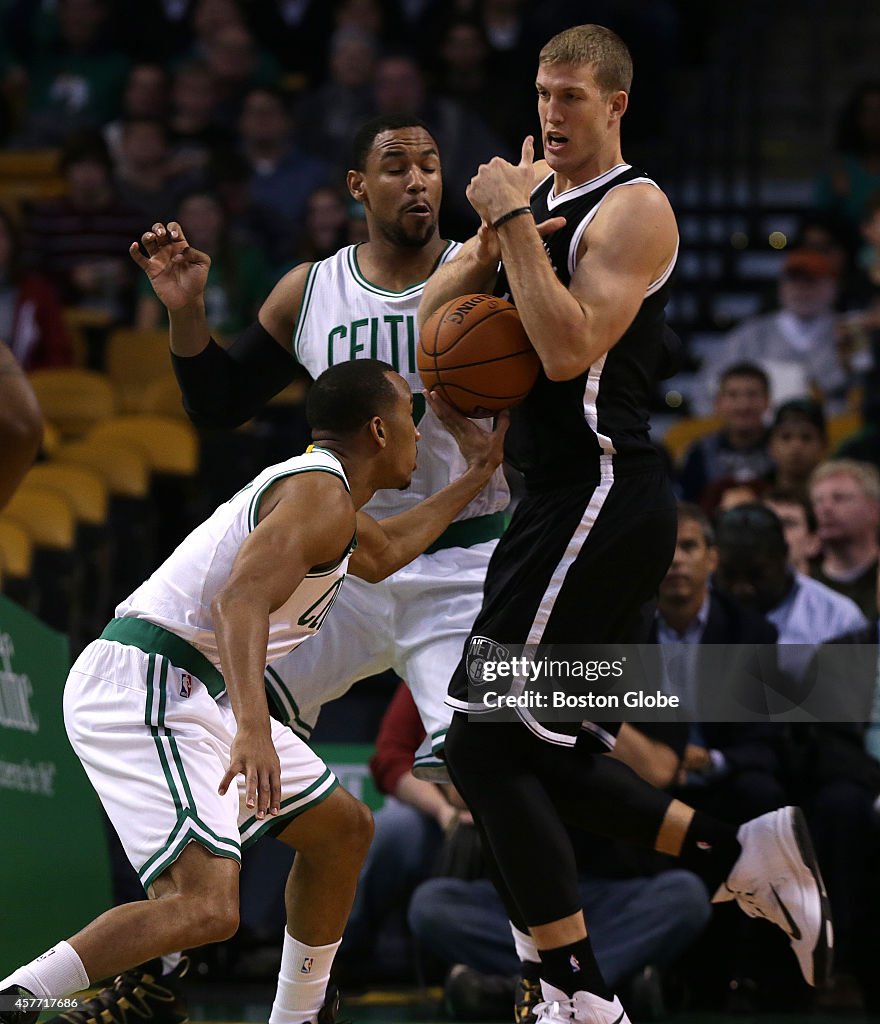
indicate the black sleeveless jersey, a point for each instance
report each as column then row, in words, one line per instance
column 561, row 430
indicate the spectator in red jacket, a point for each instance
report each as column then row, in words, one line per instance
column 31, row 318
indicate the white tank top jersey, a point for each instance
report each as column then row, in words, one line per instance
column 344, row 316
column 178, row 595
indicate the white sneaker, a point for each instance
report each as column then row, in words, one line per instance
column 777, row 877
column 582, row 1008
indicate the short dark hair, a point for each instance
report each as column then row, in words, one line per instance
column 347, row 395
column 802, row 409
column 689, row 512
column 745, row 370
column 794, row 496
column 367, row 133
column 752, row 525
column 84, row 145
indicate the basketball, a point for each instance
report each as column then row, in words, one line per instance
column 474, row 350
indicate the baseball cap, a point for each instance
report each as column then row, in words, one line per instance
column 802, row 409
column 809, row 263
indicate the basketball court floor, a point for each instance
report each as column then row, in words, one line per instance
column 407, row 1006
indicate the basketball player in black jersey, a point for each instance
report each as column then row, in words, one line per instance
column 592, row 538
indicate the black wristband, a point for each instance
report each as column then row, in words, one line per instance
column 510, row 215
column 223, row 387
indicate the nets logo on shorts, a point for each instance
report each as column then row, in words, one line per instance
column 480, row 650
column 186, row 684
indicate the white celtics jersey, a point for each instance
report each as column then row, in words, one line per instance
column 343, row 317
column 178, row 595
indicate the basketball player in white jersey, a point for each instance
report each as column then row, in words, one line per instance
column 360, row 303
column 168, row 713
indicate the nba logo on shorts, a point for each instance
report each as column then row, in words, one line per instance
column 307, row 965
column 481, row 650
column 186, row 684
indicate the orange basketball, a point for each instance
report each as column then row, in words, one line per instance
column 474, row 350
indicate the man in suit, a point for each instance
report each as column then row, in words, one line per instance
column 733, row 767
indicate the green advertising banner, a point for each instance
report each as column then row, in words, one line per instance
column 349, row 762
column 54, row 870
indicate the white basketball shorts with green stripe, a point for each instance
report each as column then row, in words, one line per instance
column 155, row 745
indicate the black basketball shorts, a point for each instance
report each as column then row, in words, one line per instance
column 574, row 567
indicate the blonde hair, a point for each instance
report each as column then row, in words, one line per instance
column 595, row 45
column 863, row 472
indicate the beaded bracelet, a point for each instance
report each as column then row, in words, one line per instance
column 510, row 215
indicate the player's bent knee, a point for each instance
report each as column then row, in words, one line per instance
column 213, row 920
column 361, row 825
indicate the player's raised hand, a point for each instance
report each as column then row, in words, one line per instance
column 253, row 755
column 482, row 449
column 177, row 272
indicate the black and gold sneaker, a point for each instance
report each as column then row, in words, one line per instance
column 14, row 1006
column 141, row 994
column 527, row 996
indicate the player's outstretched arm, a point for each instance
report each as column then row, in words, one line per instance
column 386, row 546
column 287, row 542
column 221, row 387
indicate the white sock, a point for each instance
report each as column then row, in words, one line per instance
column 525, row 945
column 55, row 973
column 302, row 981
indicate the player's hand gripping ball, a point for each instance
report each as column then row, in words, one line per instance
column 474, row 350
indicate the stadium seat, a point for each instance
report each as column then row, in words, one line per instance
column 125, row 469
column 842, row 425
column 28, row 174
column 88, row 495
column 681, row 435
column 172, row 449
column 16, row 560
column 49, row 519
column 134, row 360
column 73, row 399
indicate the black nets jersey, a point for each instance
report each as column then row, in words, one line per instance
column 563, row 428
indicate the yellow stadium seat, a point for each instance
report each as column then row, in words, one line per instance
column 135, row 359
column 842, row 425
column 73, row 399
column 30, row 174
column 16, row 561
column 49, row 519
column 124, row 467
column 85, row 489
column 51, row 439
column 46, row 514
column 682, row 434
column 163, row 398
column 171, row 446
column 88, row 496
column 16, row 548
